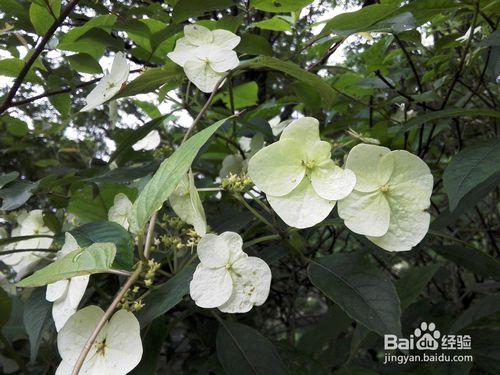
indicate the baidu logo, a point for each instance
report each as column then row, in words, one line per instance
column 427, row 336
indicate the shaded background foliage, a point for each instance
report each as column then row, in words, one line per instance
column 408, row 83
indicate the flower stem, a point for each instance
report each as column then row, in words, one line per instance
column 252, row 210
column 270, row 237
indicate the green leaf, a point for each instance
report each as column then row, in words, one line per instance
column 279, row 6
column 152, row 341
column 274, row 24
column 41, row 18
column 7, row 178
column 37, row 319
column 16, row 194
column 166, row 296
column 483, row 307
column 12, row 67
column 166, row 178
column 244, row 95
column 185, row 9
column 471, row 259
column 61, row 102
column 84, row 63
column 103, row 22
column 413, row 282
column 253, row 44
column 364, row 293
column 324, row 89
column 151, row 80
column 469, row 168
column 97, row 258
column 243, row 350
column 5, row 307
column 446, row 113
column 15, row 126
column 106, row 231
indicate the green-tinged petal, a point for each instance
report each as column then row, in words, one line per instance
column 332, row 182
column 409, row 219
column 408, row 171
column 213, row 251
column 303, row 207
column 224, row 39
column 198, row 35
column 365, row 213
column 210, row 287
column 363, row 160
column 304, row 130
column 222, row 60
column 182, row 53
column 202, row 75
column 277, row 169
column 318, row 152
column 252, row 281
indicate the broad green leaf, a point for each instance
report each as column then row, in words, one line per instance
column 104, row 22
column 469, row 168
column 324, row 89
column 61, row 102
column 483, row 307
column 41, row 18
column 424, row 10
column 274, row 24
column 37, row 319
column 84, row 63
column 279, row 6
column 126, row 174
column 16, row 194
column 164, row 181
column 97, row 258
column 244, row 95
column 364, row 293
column 185, row 9
column 413, row 282
column 5, row 307
column 106, row 231
column 7, row 178
column 12, row 67
column 151, row 80
column 243, row 350
column 166, row 296
column 446, row 113
column 471, row 259
column 152, row 341
column 15, row 126
column 253, row 44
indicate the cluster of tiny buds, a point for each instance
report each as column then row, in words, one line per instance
column 129, row 301
column 163, row 152
column 236, row 183
column 149, row 276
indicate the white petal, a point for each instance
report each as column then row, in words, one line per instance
column 318, row 152
column 151, row 141
column 198, row 35
column 252, row 281
column 76, row 289
column 186, row 203
column 202, row 75
column 234, row 243
column 118, row 213
column 332, row 182
column 213, row 251
column 105, row 89
column 64, row 368
column 210, row 287
column 73, row 336
column 304, row 130
column 365, row 213
column 408, row 171
column 123, row 343
column 182, row 52
column 31, row 222
column 56, row 290
column 303, row 207
column 409, row 219
column 363, row 160
column 120, row 69
column 223, row 60
column 225, row 39
column 278, row 168
column 62, row 310
column 70, row 244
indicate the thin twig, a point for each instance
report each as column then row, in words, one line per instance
column 38, row 50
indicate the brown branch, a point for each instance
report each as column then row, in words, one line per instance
column 38, row 50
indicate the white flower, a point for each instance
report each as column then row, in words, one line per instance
column 118, row 213
column 277, row 126
column 28, row 224
column 227, row 278
column 186, row 203
column 466, row 36
column 205, row 55
column 116, row 351
column 391, row 197
column 301, row 181
column 109, row 85
column 66, row 294
column 149, row 142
